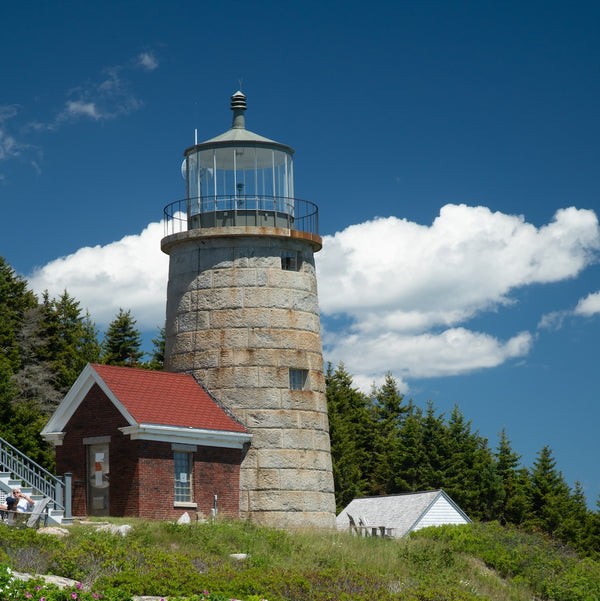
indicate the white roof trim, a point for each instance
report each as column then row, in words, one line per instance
column 180, row 434
column 443, row 494
column 67, row 407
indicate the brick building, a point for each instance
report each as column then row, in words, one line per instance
column 148, row 444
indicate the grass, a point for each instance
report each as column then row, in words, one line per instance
column 459, row 563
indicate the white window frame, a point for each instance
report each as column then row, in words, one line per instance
column 183, row 469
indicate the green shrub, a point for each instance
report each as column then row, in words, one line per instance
column 458, row 563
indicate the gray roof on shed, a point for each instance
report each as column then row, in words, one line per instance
column 405, row 512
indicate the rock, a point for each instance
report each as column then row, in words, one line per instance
column 185, row 519
column 49, row 578
column 239, row 556
column 114, row 529
column 54, row 531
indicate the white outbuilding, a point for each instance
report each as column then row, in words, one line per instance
column 397, row 515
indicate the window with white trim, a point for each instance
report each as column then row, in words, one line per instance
column 182, row 463
column 298, row 379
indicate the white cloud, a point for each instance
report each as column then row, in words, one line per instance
column 404, row 287
column 590, row 305
column 405, row 290
column 425, row 355
column 130, row 273
column 400, row 274
column 9, row 147
column 80, row 108
column 553, row 320
column 148, row 61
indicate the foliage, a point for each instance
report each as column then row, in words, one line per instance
column 122, row 342
column 550, row 568
column 15, row 300
column 70, row 339
column 453, row 563
column 157, row 360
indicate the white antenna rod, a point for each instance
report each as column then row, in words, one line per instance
column 195, row 136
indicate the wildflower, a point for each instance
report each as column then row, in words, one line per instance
column 73, row 595
column 79, row 585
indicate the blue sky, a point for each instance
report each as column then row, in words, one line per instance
column 452, row 149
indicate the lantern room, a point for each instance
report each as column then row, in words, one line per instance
column 239, row 178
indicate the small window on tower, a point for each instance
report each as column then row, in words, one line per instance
column 298, row 379
column 290, row 260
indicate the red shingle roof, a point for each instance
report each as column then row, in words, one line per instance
column 159, row 397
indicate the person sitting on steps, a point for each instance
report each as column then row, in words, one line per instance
column 24, row 503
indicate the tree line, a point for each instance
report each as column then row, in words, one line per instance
column 381, row 443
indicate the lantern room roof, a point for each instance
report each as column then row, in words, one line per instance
column 238, row 134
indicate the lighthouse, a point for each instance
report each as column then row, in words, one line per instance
column 243, row 316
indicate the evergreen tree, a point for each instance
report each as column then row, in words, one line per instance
column 36, row 380
column 513, row 505
column 576, row 524
column 549, row 493
column 7, row 394
column 15, row 301
column 470, row 477
column 70, row 339
column 412, row 458
column 435, row 451
column 89, row 347
column 122, row 342
column 388, row 414
column 350, row 431
column 157, row 360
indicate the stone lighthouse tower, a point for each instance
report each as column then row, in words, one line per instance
column 243, row 316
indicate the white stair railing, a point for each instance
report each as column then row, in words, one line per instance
column 28, row 471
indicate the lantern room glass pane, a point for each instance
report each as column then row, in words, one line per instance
column 238, row 171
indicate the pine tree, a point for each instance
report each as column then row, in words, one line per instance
column 514, row 501
column 15, row 300
column 411, row 460
column 469, row 476
column 576, row 524
column 435, row 451
column 7, row 394
column 70, row 339
column 549, row 494
column 89, row 347
column 350, row 431
column 158, row 353
column 122, row 342
column 388, row 414
column 36, row 380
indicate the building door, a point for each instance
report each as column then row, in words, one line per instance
column 98, row 479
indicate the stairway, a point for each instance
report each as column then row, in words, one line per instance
column 18, row 471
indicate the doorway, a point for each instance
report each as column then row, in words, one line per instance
column 98, row 468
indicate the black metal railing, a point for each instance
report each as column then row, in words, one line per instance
column 241, row 210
